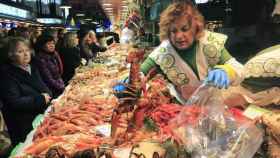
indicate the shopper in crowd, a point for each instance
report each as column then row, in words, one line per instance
column 12, row 32
column 51, row 32
column 55, row 34
column 85, row 45
column 24, row 32
column 34, row 36
column 95, row 46
column 49, row 64
column 24, row 94
column 3, row 33
column 189, row 54
column 92, row 36
column 127, row 33
column 5, row 140
column 60, row 35
column 3, row 55
column 70, row 55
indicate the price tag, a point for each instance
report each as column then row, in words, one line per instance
column 104, row 129
column 254, row 111
column 122, row 152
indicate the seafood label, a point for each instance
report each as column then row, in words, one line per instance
column 254, row 111
column 122, row 152
column 104, row 129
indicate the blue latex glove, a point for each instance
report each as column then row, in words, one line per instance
column 219, row 78
column 120, row 86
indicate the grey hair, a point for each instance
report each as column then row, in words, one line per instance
column 91, row 32
column 11, row 46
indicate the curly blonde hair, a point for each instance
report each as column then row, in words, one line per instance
column 177, row 10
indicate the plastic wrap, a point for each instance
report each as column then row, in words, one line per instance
column 210, row 130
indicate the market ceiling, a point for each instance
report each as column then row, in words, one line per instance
column 91, row 11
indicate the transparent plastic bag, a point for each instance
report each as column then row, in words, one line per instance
column 210, row 130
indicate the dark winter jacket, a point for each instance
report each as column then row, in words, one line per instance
column 96, row 48
column 21, row 93
column 71, row 60
column 86, row 51
column 51, row 69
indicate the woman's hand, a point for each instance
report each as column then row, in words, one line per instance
column 219, row 78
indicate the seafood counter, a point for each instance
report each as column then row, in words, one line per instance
column 86, row 102
column 147, row 121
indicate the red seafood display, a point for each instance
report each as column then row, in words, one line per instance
column 88, row 120
column 76, row 119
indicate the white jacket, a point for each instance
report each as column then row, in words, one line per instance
column 127, row 36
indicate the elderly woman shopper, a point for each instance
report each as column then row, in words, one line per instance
column 189, row 54
column 49, row 64
column 24, row 94
column 70, row 55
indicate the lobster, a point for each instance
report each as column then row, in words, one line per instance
column 127, row 101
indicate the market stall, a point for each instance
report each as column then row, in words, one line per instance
column 88, row 119
column 91, row 86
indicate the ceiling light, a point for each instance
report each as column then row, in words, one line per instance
column 88, row 19
column 107, row 4
column 65, row 7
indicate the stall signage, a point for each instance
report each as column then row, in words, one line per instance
column 49, row 20
column 13, row 11
column 201, row 1
column 7, row 25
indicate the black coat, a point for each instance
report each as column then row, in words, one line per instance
column 96, row 48
column 71, row 60
column 85, row 51
column 1, row 104
column 22, row 98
